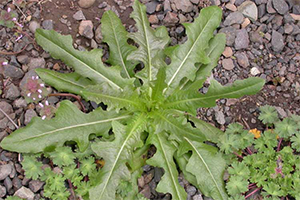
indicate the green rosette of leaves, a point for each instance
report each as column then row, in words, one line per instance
column 145, row 108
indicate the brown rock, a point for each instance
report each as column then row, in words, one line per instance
column 171, row 18
column 242, row 60
column 231, row 7
column 295, row 17
column 86, row 3
column 245, row 23
column 86, row 29
column 153, row 19
column 227, row 52
column 184, row 5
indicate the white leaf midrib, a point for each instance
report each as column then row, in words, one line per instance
column 205, row 164
column 189, row 52
column 75, row 126
column 84, row 64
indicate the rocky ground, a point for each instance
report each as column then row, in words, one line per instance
column 263, row 39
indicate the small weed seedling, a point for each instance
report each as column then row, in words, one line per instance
column 149, row 103
column 267, row 162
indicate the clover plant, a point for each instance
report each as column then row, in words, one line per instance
column 150, row 103
column 265, row 163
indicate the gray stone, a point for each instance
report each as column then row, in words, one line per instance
column 241, row 40
column 242, row 59
column 29, row 114
column 13, row 61
column 230, row 35
column 98, row 34
column 94, row 44
column 4, row 122
column 2, row 191
column 191, row 190
column 3, row 134
column 288, row 29
column 280, row 6
column 167, row 6
column 158, row 173
column 4, row 157
column 7, row 183
column 234, row 18
column 296, row 29
column 227, row 64
column 277, row 41
column 219, row 115
column 270, row 8
column 281, row 112
column 86, row 3
column 12, row 92
column 17, row 183
column 79, row 15
column 296, row 9
column 33, row 25
column 180, row 31
column 184, row 5
column 20, row 103
column 6, row 107
column 249, row 9
column 259, row 2
column 146, row 191
column 86, row 29
column 13, row 72
column 23, row 59
column 48, row 24
column 261, row 10
column 25, row 181
column 24, row 193
column 35, row 185
column 5, row 171
column 197, row 197
column 151, row 7
column 256, row 37
column 36, row 63
column 102, row 5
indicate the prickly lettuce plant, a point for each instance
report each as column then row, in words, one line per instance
column 148, row 107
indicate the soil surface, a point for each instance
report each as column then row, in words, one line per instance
column 262, row 42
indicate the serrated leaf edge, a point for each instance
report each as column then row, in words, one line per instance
column 207, row 168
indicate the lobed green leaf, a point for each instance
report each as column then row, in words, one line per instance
column 70, row 124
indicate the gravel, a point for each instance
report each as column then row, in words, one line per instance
column 29, row 114
column 5, row 171
column 249, row 9
column 79, row 16
column 277, row 41
column 280, row 6
column 24, row 193
column 263, row 39
column 13, row 72
column 234, row 18
column 86, row 3
column 241, row 40
column 36, row 63
column 33, row 26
